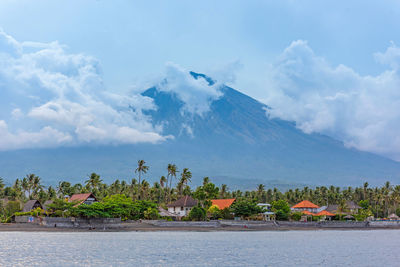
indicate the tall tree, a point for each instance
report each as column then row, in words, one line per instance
column 141, row 168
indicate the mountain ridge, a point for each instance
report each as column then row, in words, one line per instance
column 235, row 143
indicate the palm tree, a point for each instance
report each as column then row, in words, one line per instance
column 342, row 207
column 141, row 168
column 186, row 176
column 172, row 170
column 223, row 190
column 163, row 181
column 94, row 182
column 36, row 186
column 260, row 191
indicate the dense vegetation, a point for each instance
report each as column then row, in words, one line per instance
column 138, row 199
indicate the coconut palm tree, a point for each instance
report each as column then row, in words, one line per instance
column 172, row 170
column 94, row 182
column 223, row 190
column 141, row 168
column 186, row 176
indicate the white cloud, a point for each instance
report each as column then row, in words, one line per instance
column 196, row 94
column 50, row 98
column 362, row 111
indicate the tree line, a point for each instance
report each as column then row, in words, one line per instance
column 380, row 201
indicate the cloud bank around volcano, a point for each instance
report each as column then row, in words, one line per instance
column 362, row 111
column 51, row 98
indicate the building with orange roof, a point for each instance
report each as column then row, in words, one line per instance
column 325, row 213
column 223, row 203
column 86, row 198
column 305, row 205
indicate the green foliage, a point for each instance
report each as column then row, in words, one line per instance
column 226, row 214
column 197, row 214
column 12, row 207
column 245, row 208
column 281, row 209
column 117, row 206
column 151, row 214
column 60, row 205
column 296, row 216
column 205, row 193
column 214, row 213
column 364, row 204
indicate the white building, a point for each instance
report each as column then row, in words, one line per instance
column 182, row 206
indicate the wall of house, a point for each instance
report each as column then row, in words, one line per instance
column 179, row 211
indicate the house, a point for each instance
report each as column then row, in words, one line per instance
column 164, row 213
column 182, row 206
column 86, row 198
column 351, row 208
column 267, row 215
column 31, row 205
column 325, row 215
column 223, row 203
column 305, row 205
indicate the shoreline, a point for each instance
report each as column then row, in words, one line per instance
column 15, row 227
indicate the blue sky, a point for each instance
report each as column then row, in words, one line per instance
column 292, row 55
column 134, row 39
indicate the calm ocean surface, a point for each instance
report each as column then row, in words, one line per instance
column 301, row 248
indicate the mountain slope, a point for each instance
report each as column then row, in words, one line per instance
column 234, row 143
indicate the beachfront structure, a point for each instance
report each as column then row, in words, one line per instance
column 267, row 215
column 182, row 206
column 350, row 208
column 223, row 203
column 31, row 205
column 86, row 198
column 305, row 205
column 393, row 217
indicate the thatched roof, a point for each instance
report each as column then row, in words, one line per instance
column 351, row 205
column 31, row 204
column 186, row 201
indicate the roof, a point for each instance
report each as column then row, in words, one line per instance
column 305, row 204
column 393, row 216
column 30, row 205
column 306, row 212
column 350, row 205
column 81, row 197
column 324, row 213
column 185, row 201
column 223, row 203
column 165, row 213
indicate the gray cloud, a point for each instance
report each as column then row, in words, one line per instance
column 50, row 98
column 362, row 111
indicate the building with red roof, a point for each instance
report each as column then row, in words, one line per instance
column 86, row 198
column 223, row 203
column 305, row 205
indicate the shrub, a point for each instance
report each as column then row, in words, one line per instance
column 296, row 216
column 214, row 212
column 197, row 214
column 245, row 208
column 151, row 214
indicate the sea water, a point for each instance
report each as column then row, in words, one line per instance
column 269, row 248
